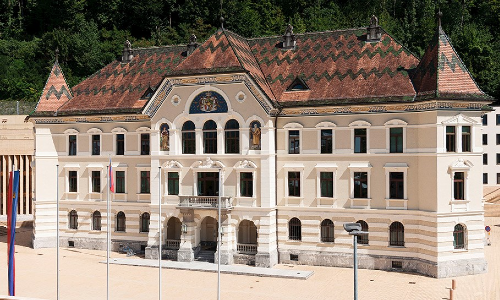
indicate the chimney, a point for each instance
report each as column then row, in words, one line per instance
column 289, row 38
column 128, row 53
column 374, row 33
column 192, row 44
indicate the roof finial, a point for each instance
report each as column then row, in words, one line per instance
column 57, row 54
column 221, row 17
column 373, row 34
column 192, row 44
column 289, row 40
column 439, row 16
column 128, row 53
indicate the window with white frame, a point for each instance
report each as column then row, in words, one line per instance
column 396, row 191
column 459, row 172
column 459, row 133
column 396, row 135
column 246, row 182
column 326, row 173
column 71, row 141
column 95, row 181
column 326, row 137
column 72, row 181
column 95, row 141
column 119, row 140
column 293, row 180
column 172, row 176
column 144, row 182
column 360, row 190
column 293, row 137
column 360, row 136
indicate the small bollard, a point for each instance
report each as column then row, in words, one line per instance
column 453, row 284
column 451, row 294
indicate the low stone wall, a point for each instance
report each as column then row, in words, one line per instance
column 100, row 244
column 390, row 263
column 244, row 259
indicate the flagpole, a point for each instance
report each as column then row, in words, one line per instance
column 57, row 227
column 219, row 235
column 159, row 229
column 107, row 232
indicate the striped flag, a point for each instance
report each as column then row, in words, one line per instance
column 111, row 180
column 11, row 228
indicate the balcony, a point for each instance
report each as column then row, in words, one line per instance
column 247, row 248
column 205, row 202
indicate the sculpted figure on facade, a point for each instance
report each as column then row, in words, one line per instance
column 255, row 132
column 164, row 137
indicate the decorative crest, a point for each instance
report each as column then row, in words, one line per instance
column 374, row 33
column 439, row 15
column 289, row 41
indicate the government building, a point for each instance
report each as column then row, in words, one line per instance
column 291, row 136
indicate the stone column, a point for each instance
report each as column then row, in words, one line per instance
column 267, row 253
column 186, row 252
column 228, row 245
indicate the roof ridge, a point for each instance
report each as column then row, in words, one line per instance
column 307, row 33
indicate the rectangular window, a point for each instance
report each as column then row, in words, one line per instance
column 396, row 185
column 485, row 178
column 293, row 142
column 498, row 158
column 144, row 182
column 498, row 119
column 396, row 137
column 72, row 181
column 120, row 182
column 326, row 184
column 144, row 143
column 485, row 139
column 485, row 120
column 485, row 158
column 72, row 145
column 466, row 139
column 294, row 184
column 326, row 141
column 246, row 184
column 360, row 140
column 360, row 184
column 120, row 144
column 173, row 183
column 96, row 144
column 458, row 186
column 498, row 139
column 450, row 139
column 96, row 181
column 498, row 178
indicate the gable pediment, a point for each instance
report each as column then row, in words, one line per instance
column 459, row 119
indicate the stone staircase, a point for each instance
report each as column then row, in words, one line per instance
column 205, row 255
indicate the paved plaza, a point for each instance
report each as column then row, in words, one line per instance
column 83, row 276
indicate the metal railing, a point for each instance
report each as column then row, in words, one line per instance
column 172, row 244
column 205, row 202
column 247, row 248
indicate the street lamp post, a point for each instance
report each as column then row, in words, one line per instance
column 354, row 229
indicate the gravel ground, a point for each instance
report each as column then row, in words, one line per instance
column 82, row 276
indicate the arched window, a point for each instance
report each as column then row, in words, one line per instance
column 96, row 221
column 120, row 221
column 73, row 220
column 145, row 222
column 232, row 134
column 459, row 236
column 363, row 239
column 327, row 229
column 247, row 232
column 210, row 137
column 294, row 230
column 164, row 137
column 174, row 227
column 188, row 138
column 396, row 234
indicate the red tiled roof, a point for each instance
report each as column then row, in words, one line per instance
column 120, row 87
column 442, row 74
column 336, row 65
column 55, row 93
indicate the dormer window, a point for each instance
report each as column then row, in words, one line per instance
column 298, row 85
column 148, row 94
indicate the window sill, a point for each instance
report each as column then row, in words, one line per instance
column 294, row 201
column 396, row 246
column 143, row 232
column 460, row 250
column 246, row 201
column 363, row 203
column 326, row 202
column 96, row 231
column 459, row 205
column 401, row 204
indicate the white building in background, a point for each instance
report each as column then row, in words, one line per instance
column 306, row 131
column 491, row 149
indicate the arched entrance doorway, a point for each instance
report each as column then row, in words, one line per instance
column 247, row 237
column 208, row 234
column 173, row 233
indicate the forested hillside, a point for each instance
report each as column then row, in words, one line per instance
column 91, row 33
